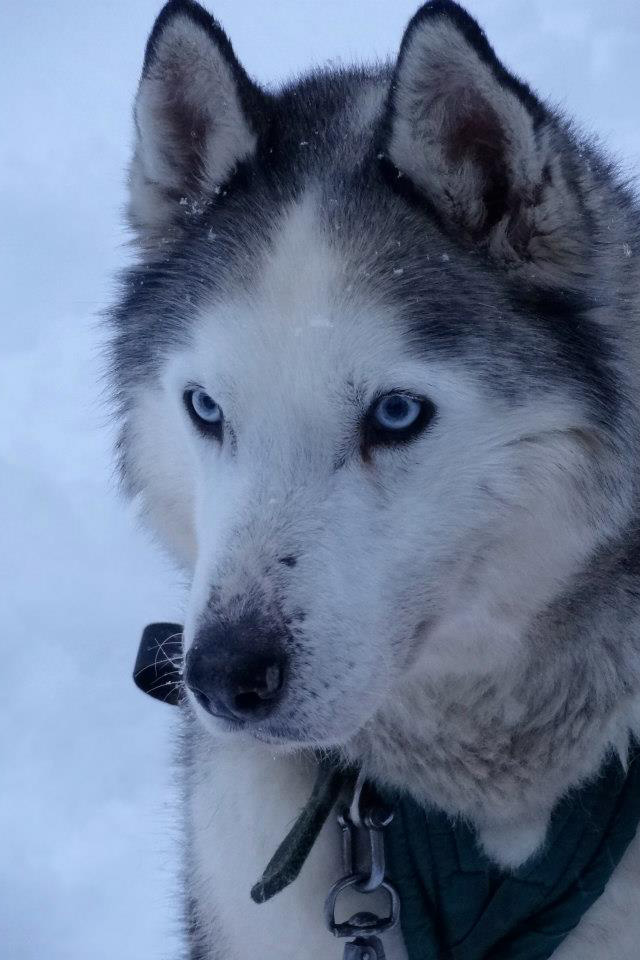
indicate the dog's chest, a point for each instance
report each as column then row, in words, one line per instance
column 242, row 803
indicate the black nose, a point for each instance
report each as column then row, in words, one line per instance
column 237, row 671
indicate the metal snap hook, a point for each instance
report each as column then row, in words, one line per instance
column 364, row 922
column 373, row 823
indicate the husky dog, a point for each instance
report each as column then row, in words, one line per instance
column 377, row 376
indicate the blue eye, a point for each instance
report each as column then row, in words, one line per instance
column 393, row 419
column 206, row 408
column 397, row 411
column 203, row 410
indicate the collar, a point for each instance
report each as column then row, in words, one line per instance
column 158, row 667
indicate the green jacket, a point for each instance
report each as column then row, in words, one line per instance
column 457, row 905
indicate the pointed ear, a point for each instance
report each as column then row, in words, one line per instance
column 492, row 161
column 197, row 115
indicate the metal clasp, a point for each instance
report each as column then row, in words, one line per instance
column 362, row 922
column 372, row 823
column 364, row 948
column 361, row 827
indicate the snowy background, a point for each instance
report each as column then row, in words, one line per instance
column 88, row 853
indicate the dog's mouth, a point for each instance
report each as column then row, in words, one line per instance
column 273, row 731
column 278, row 736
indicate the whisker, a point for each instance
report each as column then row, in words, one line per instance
column 161, row 648
column 165, row 698
column 172, row 684
column 177, row 669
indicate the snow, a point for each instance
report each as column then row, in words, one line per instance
column 87, row 805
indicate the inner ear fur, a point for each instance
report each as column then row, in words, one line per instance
column 493, row 162
column 197, row 115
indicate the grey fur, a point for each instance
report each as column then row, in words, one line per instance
column 505, row 248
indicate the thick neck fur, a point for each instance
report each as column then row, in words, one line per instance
column 502, row 750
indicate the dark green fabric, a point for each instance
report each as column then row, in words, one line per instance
column 456, row 905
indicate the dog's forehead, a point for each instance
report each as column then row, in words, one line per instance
column 305, row 320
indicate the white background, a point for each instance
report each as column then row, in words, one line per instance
column 88, row 826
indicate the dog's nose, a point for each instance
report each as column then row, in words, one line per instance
column 248, row 692
column 237, row 672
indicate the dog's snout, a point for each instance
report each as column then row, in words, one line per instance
column 237, row 671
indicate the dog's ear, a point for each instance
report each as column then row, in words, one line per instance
column 483, row 150
column 197, row 115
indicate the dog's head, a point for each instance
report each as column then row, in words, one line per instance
column 369, row 395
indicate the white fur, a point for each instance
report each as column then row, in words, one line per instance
column 243, row 804
column 277, row 363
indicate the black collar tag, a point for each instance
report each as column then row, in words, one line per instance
column 158, row 667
